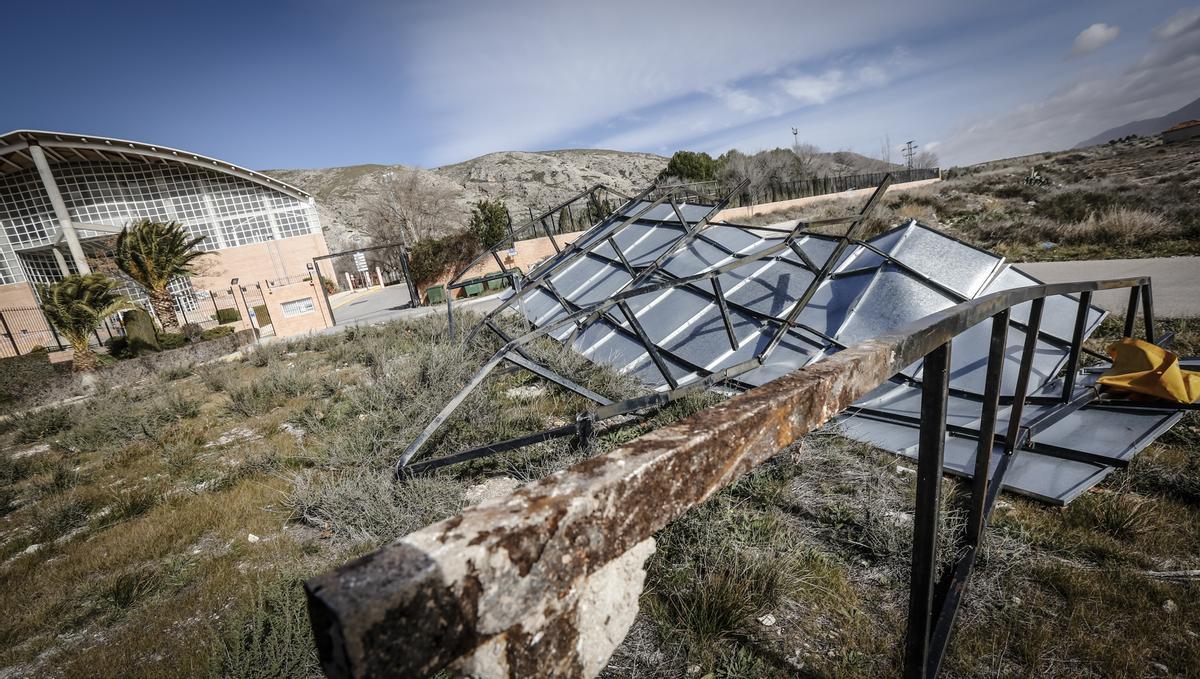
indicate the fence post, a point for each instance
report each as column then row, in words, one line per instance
column 8, row 333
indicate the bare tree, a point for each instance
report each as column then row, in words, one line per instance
column 925, row 160
column 885, row 150
column 408, row 207
column 807, row 157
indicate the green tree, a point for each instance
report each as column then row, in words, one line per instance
column 489, row 221
column 691, row 166
column 152, row 253
column 76, row 306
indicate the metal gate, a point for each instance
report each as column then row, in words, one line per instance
column 365, row 285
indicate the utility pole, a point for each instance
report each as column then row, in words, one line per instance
column 910, row 151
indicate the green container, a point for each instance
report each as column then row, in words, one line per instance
column 435, row 294
column 497, row 284
column 474, row 289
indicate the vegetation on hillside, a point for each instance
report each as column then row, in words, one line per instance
column 1135, row 198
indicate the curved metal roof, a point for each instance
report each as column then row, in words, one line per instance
column 65, row 147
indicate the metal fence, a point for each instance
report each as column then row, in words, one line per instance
column 26, row 328
column 777, row 190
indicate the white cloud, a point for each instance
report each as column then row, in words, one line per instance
column 818, row 89
column 1184, row 20
column 530, row 74
column 1093, row 38
column 1164, row 78
column 739, row 100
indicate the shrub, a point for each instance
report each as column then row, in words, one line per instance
column 228, row 316
column 1120, row 225
column 433, row 257
column 691, row 166
column 262, row 315
column 214, row 333
column 171, row 340
column 269, row 636
column 23, row 375
column 489, row 221
column 39, row 424
column 192, row 331
column 1069, row 207
column 120, row 348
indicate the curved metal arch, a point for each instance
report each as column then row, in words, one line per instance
column 67, row 147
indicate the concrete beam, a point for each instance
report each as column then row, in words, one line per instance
column 65, row 225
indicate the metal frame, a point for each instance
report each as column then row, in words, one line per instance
column 934, row 602
column 582, row 317
column 427, row 580
column 653, row 278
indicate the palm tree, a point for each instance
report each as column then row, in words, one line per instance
column 76, row 306
column 152, row 253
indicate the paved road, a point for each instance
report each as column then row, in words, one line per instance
column 1176, row 281
column 370, row 305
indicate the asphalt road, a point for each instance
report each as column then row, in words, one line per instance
column 370, row 305
column 1175, row 280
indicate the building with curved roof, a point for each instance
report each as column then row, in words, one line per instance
column 63, row 196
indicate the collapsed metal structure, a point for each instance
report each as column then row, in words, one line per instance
column 886, row 333
column 503, row 588
column 660, row 291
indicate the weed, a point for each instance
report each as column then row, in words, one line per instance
column 57, row 516
column 133, row 503
column 270, row 636
column 131, row 587
column 264, row 395
column 178, row 372
column 37, row 425
column 216, row 377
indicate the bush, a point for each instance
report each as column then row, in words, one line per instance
column 228, row 316
column 489, row 221
column 23, row 375
column 691, row 166
column 37, row 425
column 214, row 333
column 433, row 257
column 192, row 331
column 1070, row 207
column 171, row 340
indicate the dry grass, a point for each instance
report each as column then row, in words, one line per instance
column 1132, row 199
column 125, row 541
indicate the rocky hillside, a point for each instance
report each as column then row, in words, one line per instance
column 1146, row 128
column 522, row 179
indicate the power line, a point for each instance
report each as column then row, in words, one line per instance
column 910, row 151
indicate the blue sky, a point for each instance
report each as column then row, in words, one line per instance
column 319, row 83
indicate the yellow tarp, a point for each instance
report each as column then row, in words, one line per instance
column 1145, row 368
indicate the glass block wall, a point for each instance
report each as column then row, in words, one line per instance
column 227, row 210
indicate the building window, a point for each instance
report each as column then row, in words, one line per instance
column 298, row 307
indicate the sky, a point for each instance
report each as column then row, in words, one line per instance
column 320, row 83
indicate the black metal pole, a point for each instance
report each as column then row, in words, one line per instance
column 1148, row 312
column 8, row 333
column 934, row 394
column 1085, row 302
column 987, row 425
column 1131, row 310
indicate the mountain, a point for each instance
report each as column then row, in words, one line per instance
column 1148, row 127
column 525, row 180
